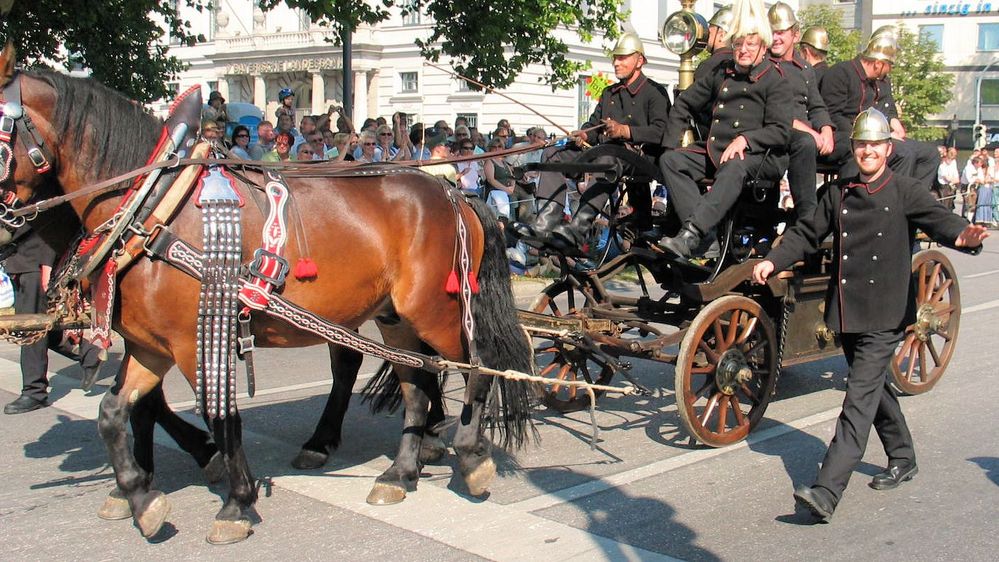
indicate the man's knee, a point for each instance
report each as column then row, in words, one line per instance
column 803, row 146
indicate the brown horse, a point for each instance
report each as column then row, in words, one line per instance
column 384, row 246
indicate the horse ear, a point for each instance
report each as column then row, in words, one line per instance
column 7, row 58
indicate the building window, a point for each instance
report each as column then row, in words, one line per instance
column 411, row 13
column 988, row 37
column 932, row 33
column 409, row 82
column 990, row 91
column 471, row 118
column 462, row 85
column 583, row 101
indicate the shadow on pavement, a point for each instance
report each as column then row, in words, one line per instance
column 990, row 465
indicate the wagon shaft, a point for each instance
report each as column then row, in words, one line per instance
column 41, row 322
column 534, row 322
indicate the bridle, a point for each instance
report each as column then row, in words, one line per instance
column 16, row 125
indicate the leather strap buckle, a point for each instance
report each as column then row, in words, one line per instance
column 277, row 278
column 38, row 160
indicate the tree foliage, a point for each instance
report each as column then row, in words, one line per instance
column 118, row 40
column 486, row 40
column 919, row 84
column 843, row 45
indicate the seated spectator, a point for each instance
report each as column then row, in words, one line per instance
column 305, row 152
column 468, row 172
column 315, row 139
column 241, row 142
column 498, row 180
column 463, row 133
column 367, row 144
column 210, row 131
column 341, row 150
column 265, row 140
column 282, row 148
column 417, row 149
column 441, row 151
column 386, row 144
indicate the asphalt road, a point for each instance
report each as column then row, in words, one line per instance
column 643, row 493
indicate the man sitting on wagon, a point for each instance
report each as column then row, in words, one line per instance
column 749, row 103
column 630, row 114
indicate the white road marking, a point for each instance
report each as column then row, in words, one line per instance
column 980, row 307
column 983, row 274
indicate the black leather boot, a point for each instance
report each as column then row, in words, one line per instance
column 575, row 233
column 549, row 216
column 684, row 243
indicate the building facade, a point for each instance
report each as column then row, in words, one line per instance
column 249, row 55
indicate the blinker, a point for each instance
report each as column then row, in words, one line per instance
column 38, row 159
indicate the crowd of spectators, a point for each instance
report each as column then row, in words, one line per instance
column 970, row 190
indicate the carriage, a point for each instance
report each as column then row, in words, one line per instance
column 727, row 338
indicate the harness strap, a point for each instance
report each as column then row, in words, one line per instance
column 33, row 143
column 169, row 248
column 269, row 268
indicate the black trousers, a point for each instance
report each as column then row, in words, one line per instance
column 683, row 168
column 29, row 298
column 869, row 401
column 801, row 173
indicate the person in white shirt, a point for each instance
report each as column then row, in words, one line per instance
column 948, row 178
column 468, row 172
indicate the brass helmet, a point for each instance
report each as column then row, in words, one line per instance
column 882, row 47
column 886, row 30
column 723, row 18
column 781, row 17
column 870, row 125
column 817, row 38
column 629, row 43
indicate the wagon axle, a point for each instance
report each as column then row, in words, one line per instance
column 733, row 371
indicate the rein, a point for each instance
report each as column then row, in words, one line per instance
column 317, row 169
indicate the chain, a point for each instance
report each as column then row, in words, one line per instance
column 24, row 337
column 786, row 305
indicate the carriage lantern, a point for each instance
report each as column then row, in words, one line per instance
column 685, row 34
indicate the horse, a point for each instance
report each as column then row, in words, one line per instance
column 386, row 247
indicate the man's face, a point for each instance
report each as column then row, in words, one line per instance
column 626, row 66
column 783, row 45
column 748, row 51
column 284, row 122
column 307, row 126
column 871, row 156
column 952, row 153
column 266, row 133
column 316, row 140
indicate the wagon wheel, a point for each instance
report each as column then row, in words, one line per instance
column 929, row 342
column 726, row 370
column 562, row 360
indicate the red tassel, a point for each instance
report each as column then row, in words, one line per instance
column 473, row 282
column 306, row 269
column 452, row 286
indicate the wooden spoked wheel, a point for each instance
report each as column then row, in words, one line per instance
column 929, row 342
column 559, row 359
column 726, row 370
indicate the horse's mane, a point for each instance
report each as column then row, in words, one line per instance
column 107, row 130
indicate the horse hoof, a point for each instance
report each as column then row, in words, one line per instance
column 386, row 494
column 479, row 479
column 432, row 449
column 309, row 460
column 115, row 508
column 151, row 519
column 228, row 532
column 215, row 469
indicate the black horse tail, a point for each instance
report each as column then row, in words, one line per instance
column 501, row 342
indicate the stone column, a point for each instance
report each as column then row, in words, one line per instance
column 260, row 93
column 318, row 93
column 360, row 97
column 223, row 88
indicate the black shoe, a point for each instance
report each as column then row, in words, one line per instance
column 897, row 472
column 24, row 404
column 817, row 500
column 683, row 244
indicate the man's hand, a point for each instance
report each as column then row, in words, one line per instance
column 971, row 236
column 578, row 137
column 897, row 129
column 762, row 271
column 828, row 143
column 736, row 148
column 616, row 130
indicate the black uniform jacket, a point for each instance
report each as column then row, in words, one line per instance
column 32, row 252
column 643, row 106
column 847, row 91
column 808, row 105
column 755, row 104
column 873, row 226
column 820, row 72
column 703, row 121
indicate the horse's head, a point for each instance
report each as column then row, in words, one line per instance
column 26, row 162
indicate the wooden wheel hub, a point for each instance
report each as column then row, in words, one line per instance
column 733, row 370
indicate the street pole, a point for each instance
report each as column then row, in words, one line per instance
column 348, row 74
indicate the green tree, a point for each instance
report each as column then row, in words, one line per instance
column 919, row 83
column 118, row 40
column 843, row 45
column 489, row 41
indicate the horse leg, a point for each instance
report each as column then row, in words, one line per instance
column 474, row 451
column 232, row 523
column 149, row 508
column 195, row 441
column 432, row 449
column 345, row 364
column 391, row 487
